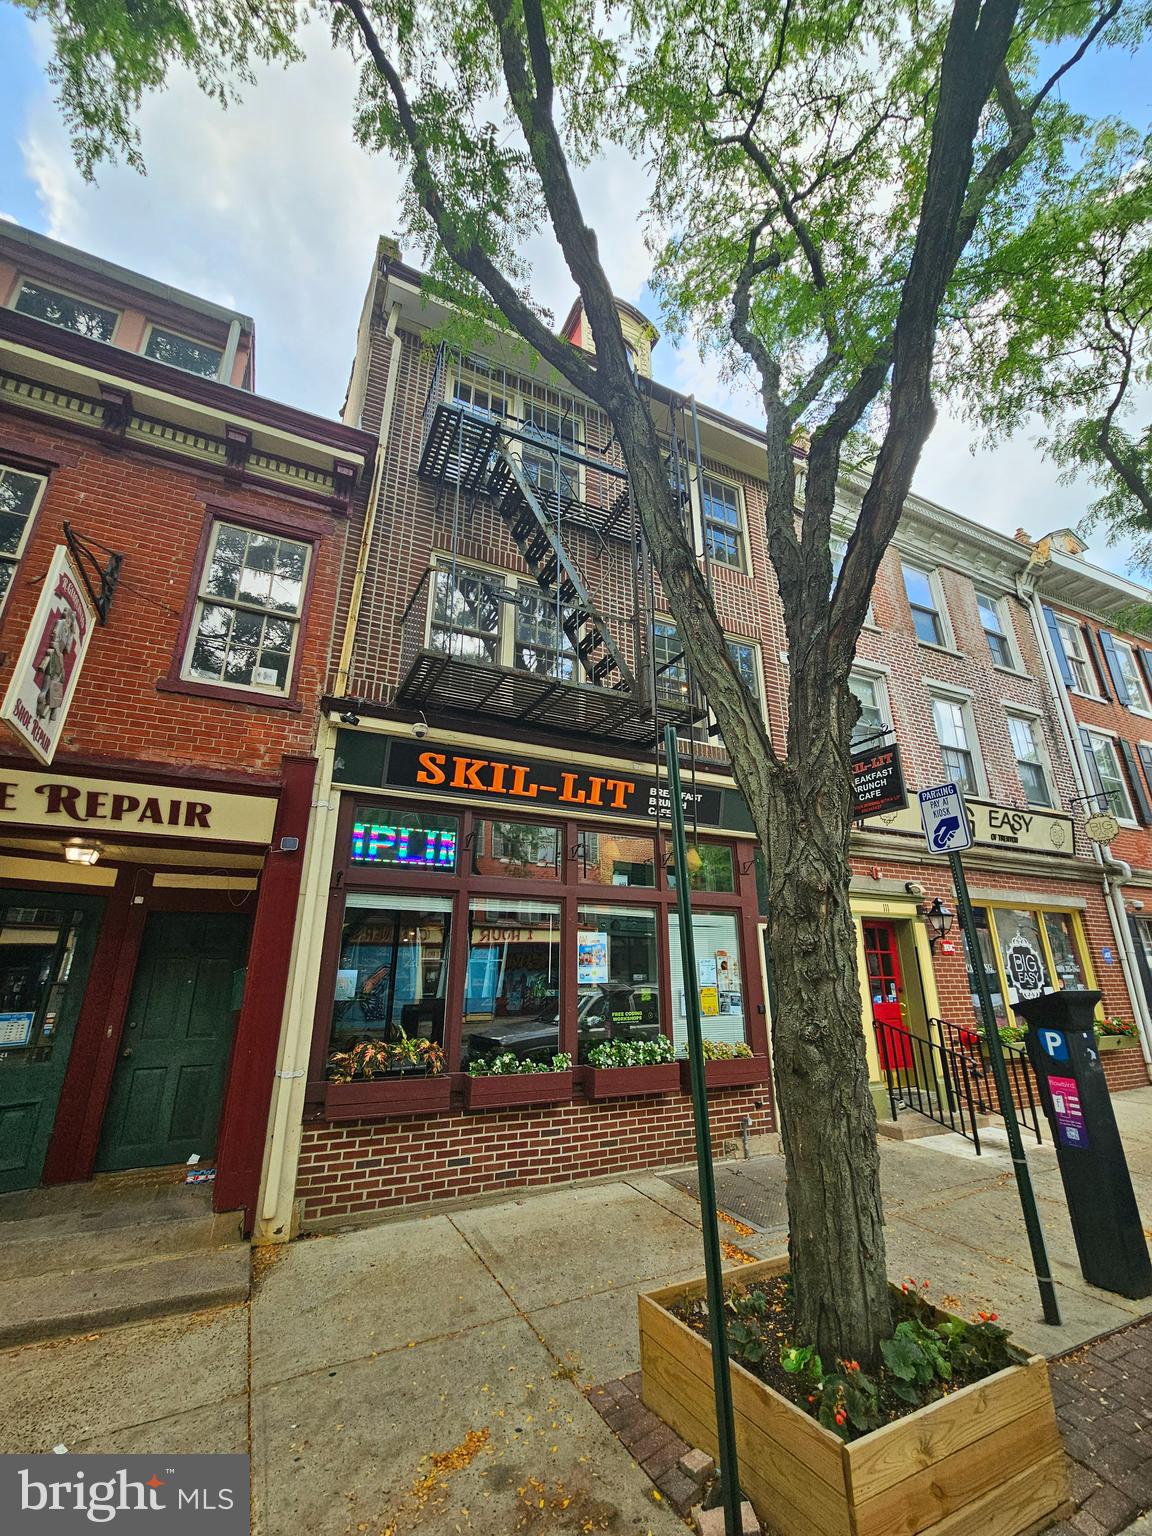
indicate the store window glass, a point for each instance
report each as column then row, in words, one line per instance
column 391, row 837
column 512, row 985
column 719, row 982
column 392, row 975
column 36, row 950
column 615, row 858
column 710, row 868
column 616, row 976
column 1065, row 952
column 988, row 958
column 1022, row 953
column 516, row 850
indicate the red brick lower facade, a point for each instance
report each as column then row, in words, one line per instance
column 1124, row 1069
column 366, row 1166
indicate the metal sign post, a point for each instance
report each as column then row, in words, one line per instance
column 947, row 830
column 713, row 1271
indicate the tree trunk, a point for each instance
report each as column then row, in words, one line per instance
column 827, row 1116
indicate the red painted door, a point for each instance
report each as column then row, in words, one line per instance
column 882, row 957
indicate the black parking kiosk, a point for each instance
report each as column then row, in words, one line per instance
column 1098, row 1186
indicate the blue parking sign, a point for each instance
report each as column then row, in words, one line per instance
column 945, row 820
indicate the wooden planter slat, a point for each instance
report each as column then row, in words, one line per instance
column 506, row 1090
column 984, row 1461
column 630, row 1082
column 387, row 1098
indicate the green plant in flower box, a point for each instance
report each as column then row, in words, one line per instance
column 632, row 1053
column 507, row 1063
column 725, row 1050
column 375, row 1057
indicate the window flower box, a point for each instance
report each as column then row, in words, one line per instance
column 1117, row 1043
column 510, row 1090
column 383, row 1098
column 630, row 1082
column 984, row 1460
column 736, row 1072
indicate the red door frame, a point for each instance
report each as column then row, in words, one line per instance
column 894, row 1051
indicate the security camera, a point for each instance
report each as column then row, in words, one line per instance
column 1136, row 905
column 420, row 728
column 914, row 888
column 349, row 716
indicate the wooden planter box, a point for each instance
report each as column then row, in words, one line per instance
column 1117, row 1043
column 382, row 1098
column 630, row 1082
column 984, row 1461
column 508, row 1090
column 736, row 1073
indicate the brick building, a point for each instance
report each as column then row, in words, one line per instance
column 171, row 554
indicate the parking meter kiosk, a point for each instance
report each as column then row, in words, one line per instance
column 1097, row 1184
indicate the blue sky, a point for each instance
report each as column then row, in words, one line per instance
column 272, row 209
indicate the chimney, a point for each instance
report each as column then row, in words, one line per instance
column 640, row 335
column 1022, row 536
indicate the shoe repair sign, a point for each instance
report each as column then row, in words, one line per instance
column 48, row 667
column 61, row 1495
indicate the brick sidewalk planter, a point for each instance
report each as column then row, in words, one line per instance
column 737, row 1072
column 985, row 1460
column 629, row 1082
column 505, row 1090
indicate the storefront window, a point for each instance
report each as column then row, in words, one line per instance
column 710, row 868
column 1062, row 942
column 1022, row 952
column 512, row 985
column 399, row 838
column 616, row 975
column 516, row 850
column 988, row 957
column 718, row 981
column 36, row 949
column 393, row 971
column 611, row 858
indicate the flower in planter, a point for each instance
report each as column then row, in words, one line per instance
column 632, row 1053
column 724, row 1050
column 508, row 1064
column 375, row 1057
column 1126, row 1028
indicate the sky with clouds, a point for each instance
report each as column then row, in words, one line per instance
column 271, row 208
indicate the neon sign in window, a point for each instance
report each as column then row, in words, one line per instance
column 404, row 846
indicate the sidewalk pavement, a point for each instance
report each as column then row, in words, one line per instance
column 429, row 1374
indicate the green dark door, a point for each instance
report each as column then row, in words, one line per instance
column 169, row 1080
column 46, row 944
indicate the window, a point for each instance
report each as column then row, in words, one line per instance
column 466, row 612
column 512, row 984
column 873, row 721
column 558, row 433
column 516, row 850
column 744, row 659
column 723, row 529
column 839, row 548
column 392, row 976
column 615, row 858
column 1102, row 752
column 987, row 947
column 954, row 733
column 37, row 948
column 19, row 497
column 710, row 868
column 1029, row 760
column 617, row 976
column 920, row 585
column 718, row 980
column 1061, row 934
column 671, row 663
column 66, row 311
column 248, row 613
column 542, row 643
column 389, row 837
column 182, row 352
column 992, row 618
column 1129, row 670
column 481, row 396
column 1073, row 640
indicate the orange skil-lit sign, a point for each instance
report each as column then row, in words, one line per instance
column 494, row 777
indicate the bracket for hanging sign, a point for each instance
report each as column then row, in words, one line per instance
column 89, row 567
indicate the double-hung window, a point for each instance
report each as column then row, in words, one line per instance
column 671, row 663
column 1128, row 667
column 1029, row 759
column 248, row 610
column 481, row 395
column 924, row 601
column 183, row 352
column 20, row 495
column 995, row 629
column 553, row 435
column 66, row 310
column 957, row 741
column 743, row 655
column 1109, row 773
column 466, row 612
column 873, row 720
column 723, row 525
column 542, row 643
column 1081, row 668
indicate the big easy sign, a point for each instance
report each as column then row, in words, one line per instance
column 48, row 667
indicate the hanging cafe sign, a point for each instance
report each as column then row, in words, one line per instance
column 877, row 781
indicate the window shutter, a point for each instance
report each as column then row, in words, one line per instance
column 1097, row 659
column 1146, row 663
column 1094, row 778
column 1108, row 646
column 1139, row 798
column 1056, row 641
column 1146, row 759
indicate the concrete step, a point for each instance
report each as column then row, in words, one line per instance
column 88, row 1300
column 107, row 1191
column 103, row 1237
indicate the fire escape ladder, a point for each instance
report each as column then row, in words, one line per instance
column 545, row 556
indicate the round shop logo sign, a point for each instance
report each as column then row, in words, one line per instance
column 1057, row 834
column 1025, row 966
column 1102, row 827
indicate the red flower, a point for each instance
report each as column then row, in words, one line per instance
column 841, row 1416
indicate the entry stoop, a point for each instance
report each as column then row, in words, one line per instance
column 76, row 1258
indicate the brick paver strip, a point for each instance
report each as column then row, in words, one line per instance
column 1103, row 1396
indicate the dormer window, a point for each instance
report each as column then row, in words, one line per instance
column 183, row 352
column 66, row 310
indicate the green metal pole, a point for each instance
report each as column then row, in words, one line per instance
column 1004, row 1092
column 713, row 1270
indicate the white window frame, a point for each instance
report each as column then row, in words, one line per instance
column 1007, row 630
column 879, row 678
column 1077, row 656
column 946, row 641
column 1133, row 679
column 744, row 563
column 65, row 293
column 1034, row 722
column 838, row 548
column 509, row 580
column 239, row 605
column 1094, row 733
column 197, row 341
column 14, row 559
column 758, row 664
column 517, row 404
column 963, row 699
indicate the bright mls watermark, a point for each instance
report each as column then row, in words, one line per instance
column 188, row 1495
